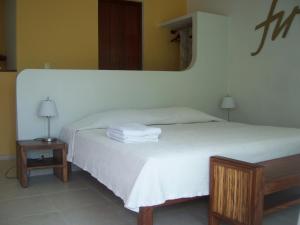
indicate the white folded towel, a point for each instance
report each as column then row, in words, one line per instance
column 133, row 133
column 135, row 129
column 133, row 139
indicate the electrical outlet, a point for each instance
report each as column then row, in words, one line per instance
column 47, row 65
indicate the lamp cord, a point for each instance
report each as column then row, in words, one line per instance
column 48, row 118
column 6, row 174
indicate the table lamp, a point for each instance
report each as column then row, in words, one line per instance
column 228, row 104
column 47, row 108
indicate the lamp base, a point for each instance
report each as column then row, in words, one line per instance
column 49, row 139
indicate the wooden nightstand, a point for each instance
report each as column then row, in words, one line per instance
column 58, row 162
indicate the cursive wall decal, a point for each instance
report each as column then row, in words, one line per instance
column 281, row 25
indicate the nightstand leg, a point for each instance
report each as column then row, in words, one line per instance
column 65, row 174
column 61, row 155
column 23, row 168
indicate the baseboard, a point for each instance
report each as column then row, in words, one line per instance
column 7, row 157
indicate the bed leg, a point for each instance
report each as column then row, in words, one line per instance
column 145, row 216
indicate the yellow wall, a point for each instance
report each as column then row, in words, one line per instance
column 63, row 33
column 159, row 52
column 7, row 113
column 2, row 49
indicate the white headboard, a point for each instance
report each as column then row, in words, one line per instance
column 80, row 92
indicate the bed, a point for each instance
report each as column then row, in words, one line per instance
column 177, row 167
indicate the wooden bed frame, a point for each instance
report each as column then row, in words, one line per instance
column 145, row 216
column 241, row 192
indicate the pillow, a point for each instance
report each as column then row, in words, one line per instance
column 173, row 115
column 109, row 118
column 157, row 116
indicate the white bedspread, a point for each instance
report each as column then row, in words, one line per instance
column 178, row 165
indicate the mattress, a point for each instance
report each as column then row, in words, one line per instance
column 148, row 174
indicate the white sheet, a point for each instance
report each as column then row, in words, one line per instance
column 178, row 165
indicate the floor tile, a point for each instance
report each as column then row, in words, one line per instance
column 108, row 194
column 51, row 184
column 6, row 165
column 84, row 201
column 287, row 216
column 98, row 214
column 182, row 214
column 76, row 199
column 19, row 208
column 42, row 219
column 11, row 189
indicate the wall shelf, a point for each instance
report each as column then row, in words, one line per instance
column 178, row 23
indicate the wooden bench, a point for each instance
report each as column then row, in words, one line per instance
column 241, row 192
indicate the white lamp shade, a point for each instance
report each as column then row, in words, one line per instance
column 228, row 103
column 47, row 108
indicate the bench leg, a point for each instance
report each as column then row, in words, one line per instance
column 213, row 220
column 145, row 216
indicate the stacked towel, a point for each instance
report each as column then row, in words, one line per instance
column 133, row 133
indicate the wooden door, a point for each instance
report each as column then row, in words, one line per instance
column 120, row 35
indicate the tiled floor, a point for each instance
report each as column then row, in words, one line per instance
column 83, row 201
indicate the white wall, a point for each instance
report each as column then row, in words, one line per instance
column 10, row 33
column 267, row 86
column 80, row 92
